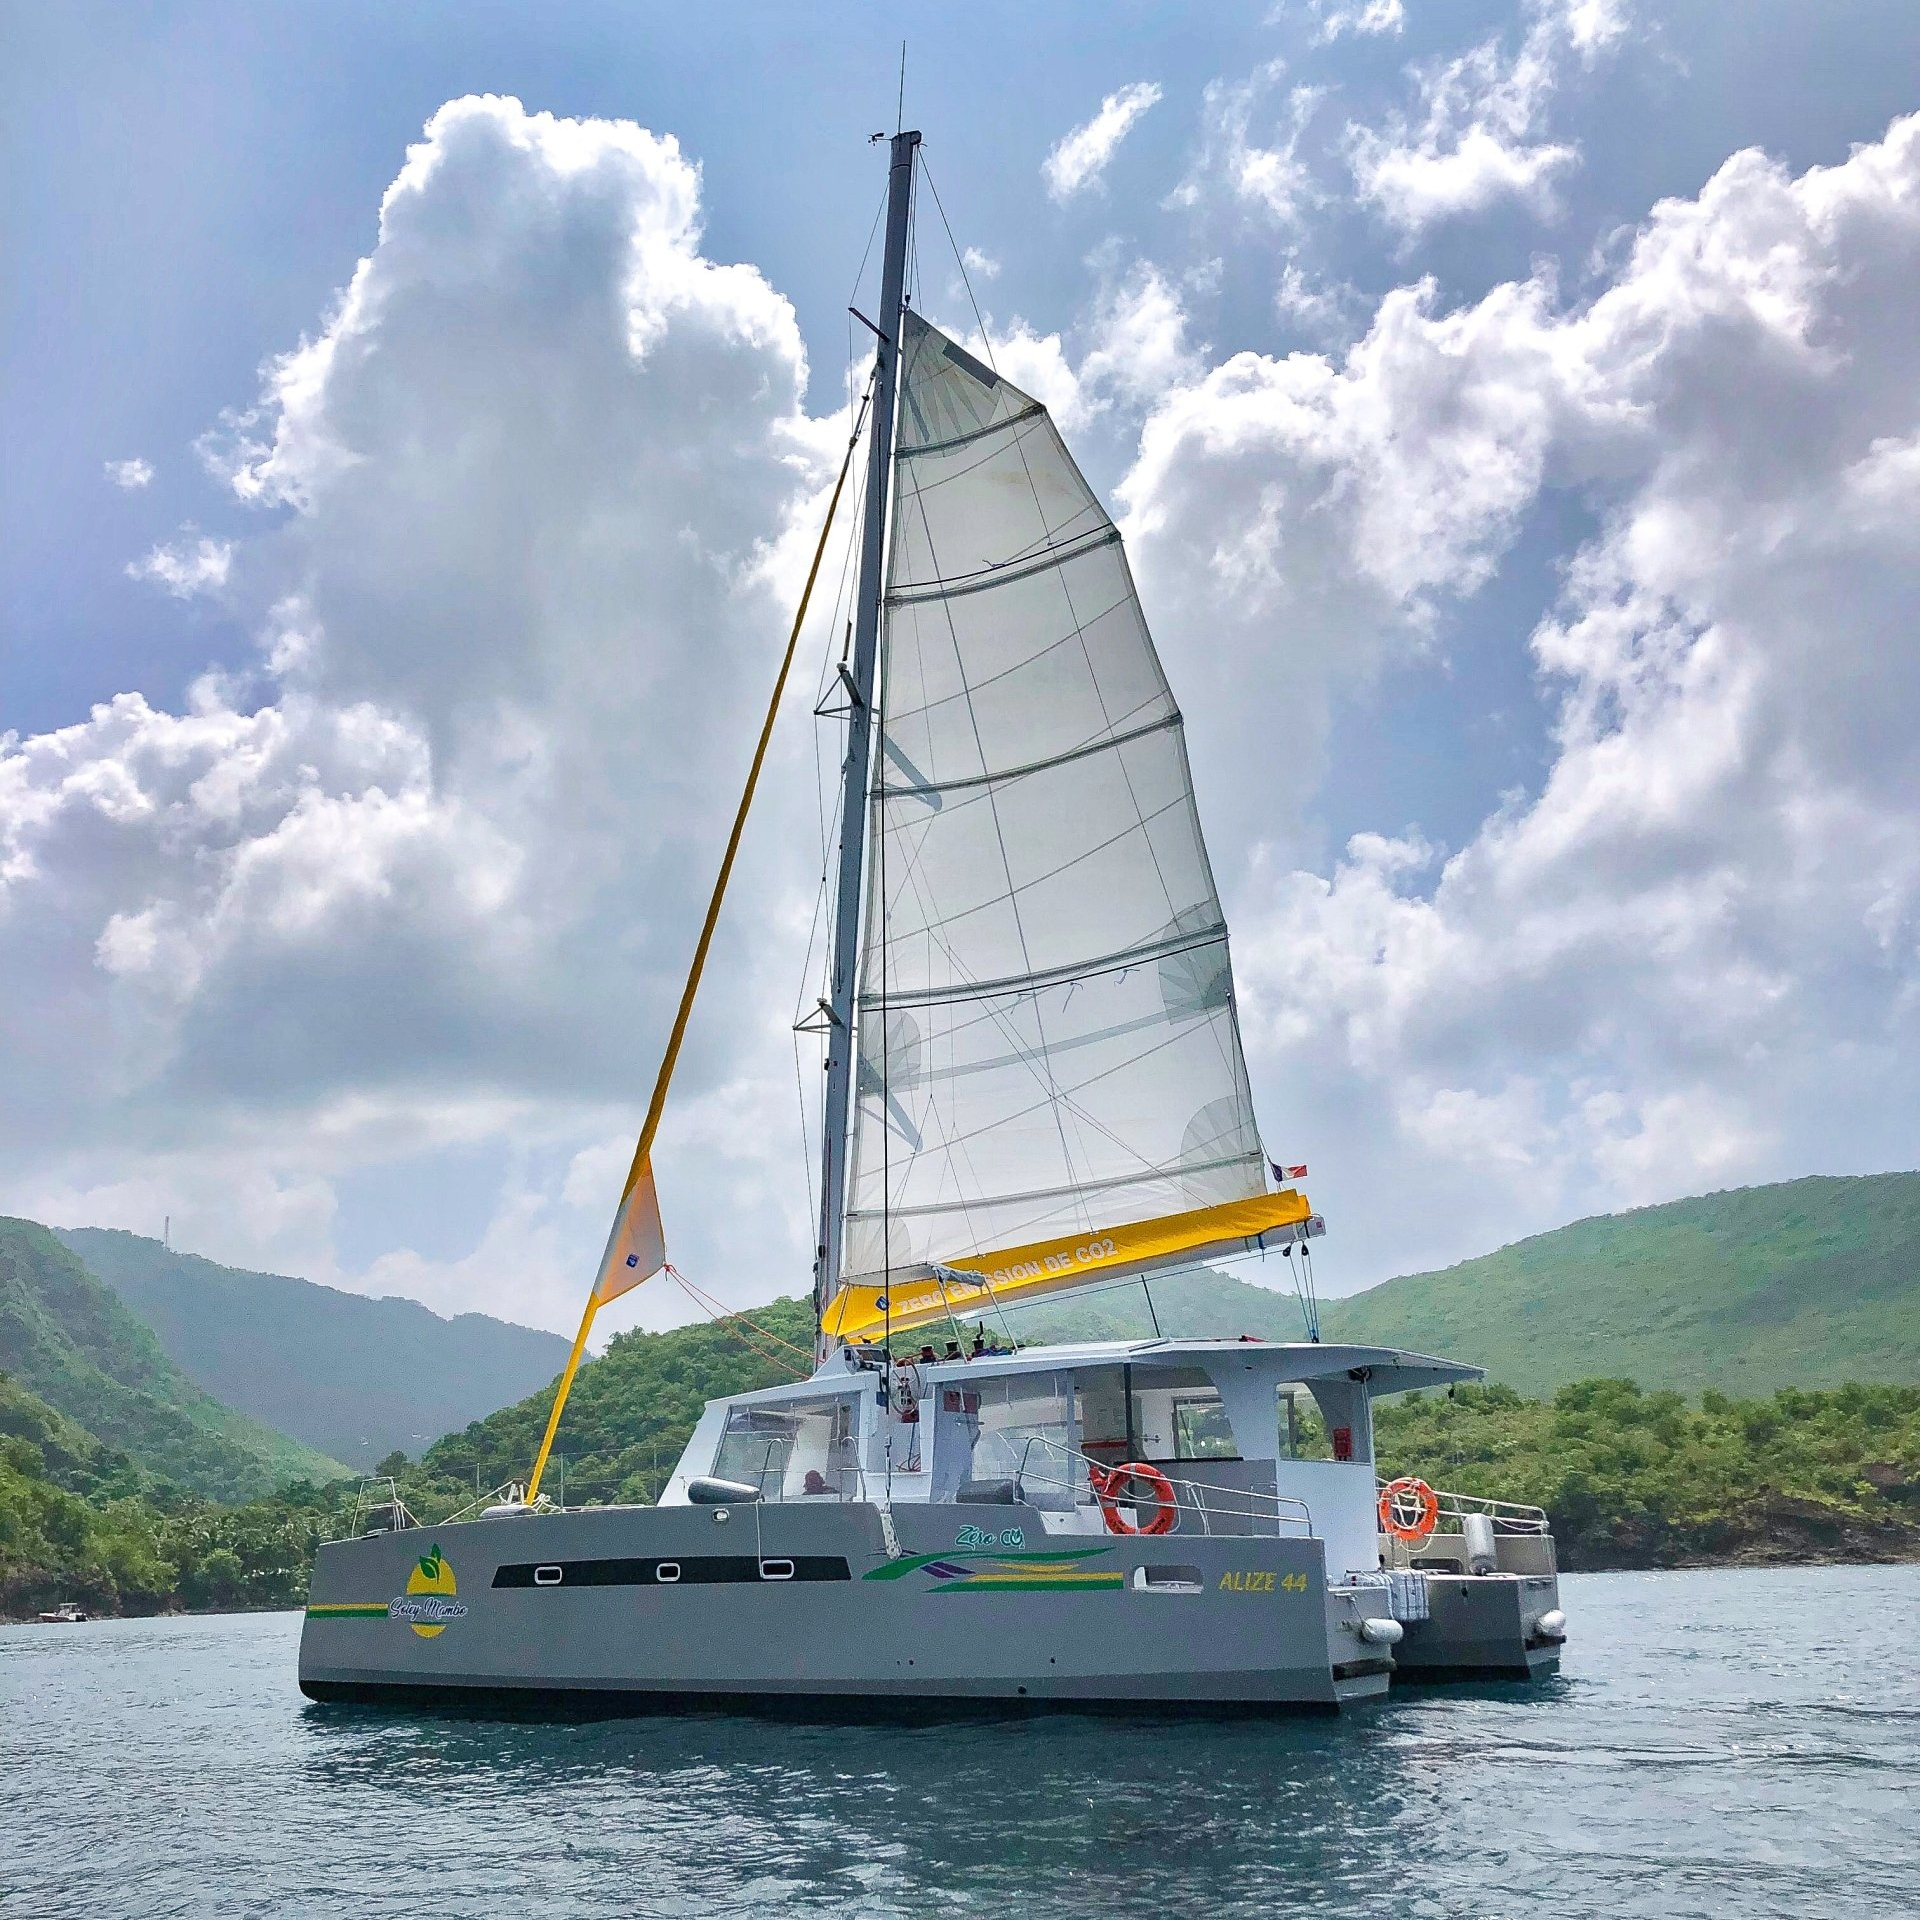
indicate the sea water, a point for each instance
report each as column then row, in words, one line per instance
column 1727, row 1743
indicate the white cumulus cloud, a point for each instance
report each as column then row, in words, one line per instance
column 186, row 567
column 401, row 906
column 1360, row 17
column 418, row 886
column 1259, row 170
column 1692, row 956
column 1079, row 158
column 130, row 475
column 1478, row 136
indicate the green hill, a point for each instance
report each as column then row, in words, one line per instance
column 1811, row 1283
column 355, row 1377
column 73, row 1343
column 65, row 1454
column 81, row 1521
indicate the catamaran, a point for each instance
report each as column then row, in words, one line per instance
column 1034, row 1083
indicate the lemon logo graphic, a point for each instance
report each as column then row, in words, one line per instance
column 429, row 1603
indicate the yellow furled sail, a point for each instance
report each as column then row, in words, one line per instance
column 980, row 1282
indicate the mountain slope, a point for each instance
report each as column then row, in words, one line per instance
column 75, row 1344
column 357, row 1378
column 65, row 1454
column 1806, row 1284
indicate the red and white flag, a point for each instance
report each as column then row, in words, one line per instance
column 1288, row 1173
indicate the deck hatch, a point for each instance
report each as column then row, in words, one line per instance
column 713, row 1569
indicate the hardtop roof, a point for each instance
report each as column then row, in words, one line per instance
column 1387, row 1369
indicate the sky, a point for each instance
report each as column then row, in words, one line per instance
column 416, row 425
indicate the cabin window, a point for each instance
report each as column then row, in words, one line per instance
column 1201, row 1429
column 1159, row 1414
column 1303, row 1431
column 800, row 1450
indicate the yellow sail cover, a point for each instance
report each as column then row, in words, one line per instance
column 976, row 1284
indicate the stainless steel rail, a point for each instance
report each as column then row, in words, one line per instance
column 1508, row 1516
column 1211, row 1503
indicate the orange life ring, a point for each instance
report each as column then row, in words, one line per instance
column 1408, row 1509
column 1108, row 1488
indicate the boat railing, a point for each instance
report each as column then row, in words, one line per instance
column 510, row 1494
column 1236, row 1511
column 378, row 1508
column 1508, row 1516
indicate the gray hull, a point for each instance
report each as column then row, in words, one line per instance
column 1482, row 1627
column 633, row 1609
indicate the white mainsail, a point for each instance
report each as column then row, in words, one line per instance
column 1047, row 1039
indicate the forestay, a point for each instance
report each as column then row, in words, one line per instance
column 1048, row 1045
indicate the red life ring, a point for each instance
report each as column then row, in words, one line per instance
column 1409, row 1509
column 1109, row 1488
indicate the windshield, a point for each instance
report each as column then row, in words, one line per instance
column 800, row 1450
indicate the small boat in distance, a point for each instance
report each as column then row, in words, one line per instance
column 66, row 1614
column 1034, row 1083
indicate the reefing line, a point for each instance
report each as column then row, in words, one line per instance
column 610, row 1282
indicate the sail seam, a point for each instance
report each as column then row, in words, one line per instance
column 1049, row 976
column 1027, row 412
column 1021, row 665
column 1031, row 767
column 1178, row 1170
column 965, row 583
column 929, row 927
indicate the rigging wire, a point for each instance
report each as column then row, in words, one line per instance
column 860, row 273
column 959, row 259
column 734, row 1322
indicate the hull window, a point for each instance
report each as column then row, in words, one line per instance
column 702, row 1570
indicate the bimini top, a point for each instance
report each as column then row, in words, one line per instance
column 1386, row 1369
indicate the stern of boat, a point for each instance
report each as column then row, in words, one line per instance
column 1479, row 1596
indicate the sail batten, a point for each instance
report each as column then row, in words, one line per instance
column 1004, row 575
column 1047, row 1042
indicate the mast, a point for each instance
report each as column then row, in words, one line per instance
column 854, row 775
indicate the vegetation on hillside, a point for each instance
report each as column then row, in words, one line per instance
column 1810, row 1283
column 103, row 1494
column 85, row 1522
column 1636, row 1479
column 352, row 1376
column 76, row 1345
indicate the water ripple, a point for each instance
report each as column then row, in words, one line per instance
column 1721, row 1743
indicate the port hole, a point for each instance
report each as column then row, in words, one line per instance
column 548, row 1576
column 667, row 1572
column 776, row 1569
column 1168, row 1580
